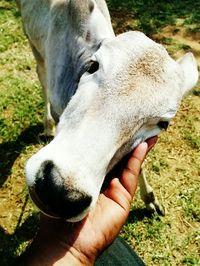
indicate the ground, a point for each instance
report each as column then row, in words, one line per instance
column 173, row 166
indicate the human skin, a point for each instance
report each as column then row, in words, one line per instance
column 62, row 243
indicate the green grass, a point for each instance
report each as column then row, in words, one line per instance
column 153, row 15
column 173, row 166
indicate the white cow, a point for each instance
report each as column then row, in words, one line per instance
column 105, row 93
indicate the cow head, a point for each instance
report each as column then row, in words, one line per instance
column 131, row 91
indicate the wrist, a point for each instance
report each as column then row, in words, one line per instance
column 78, row 258
column 45, row 252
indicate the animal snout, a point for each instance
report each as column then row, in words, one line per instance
column 51, row 194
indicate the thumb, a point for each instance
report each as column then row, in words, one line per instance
column 131, row 172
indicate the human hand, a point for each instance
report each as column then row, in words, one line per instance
column 59, row 242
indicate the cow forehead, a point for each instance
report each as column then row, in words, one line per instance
column 137, row 78
column 133, row 62
column 135, row 54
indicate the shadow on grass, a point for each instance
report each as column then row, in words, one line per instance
column 9, row 151
column 10, row 244
column 152, row 15
column 10, row 5
column 139, row 214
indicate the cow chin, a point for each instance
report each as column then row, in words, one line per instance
column 67, row 214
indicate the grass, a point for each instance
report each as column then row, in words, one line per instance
column 173, row 166
column 153, row 15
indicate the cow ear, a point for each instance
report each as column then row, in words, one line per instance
column 190, row 70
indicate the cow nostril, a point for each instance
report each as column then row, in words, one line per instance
column 59, row 200
column 47, row 171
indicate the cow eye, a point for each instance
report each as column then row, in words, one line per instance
column 163, row 125
column 94, row 66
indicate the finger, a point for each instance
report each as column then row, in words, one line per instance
column 151, row 142
column 117, row 192
column 130, row 174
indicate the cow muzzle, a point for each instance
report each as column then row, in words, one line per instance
column 55, row 198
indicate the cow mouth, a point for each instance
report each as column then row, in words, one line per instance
column 45, row 209
column 42, row 207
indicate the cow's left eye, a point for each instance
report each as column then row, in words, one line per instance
column 94, row 66
column 163, row 125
